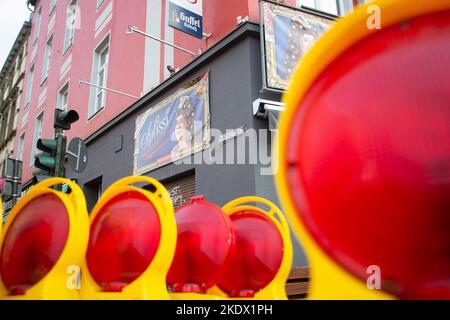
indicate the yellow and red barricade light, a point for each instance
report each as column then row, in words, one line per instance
column 205, row 241
column 261, row 260
column 132, row 242
column 43, row 243
column 365, row 153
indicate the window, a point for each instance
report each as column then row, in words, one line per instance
column 21, row 144
column 38, row 24
column 47, row 58
column 29, row 85
column 100, row 76
column 37, row 136
column 19, row 59
column 70, row 24
column 99, row 3
column 336, row 7
column 52, row 6
column 63, row 97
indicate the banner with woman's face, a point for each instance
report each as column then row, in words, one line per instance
column 175, row 128
column 288, row 35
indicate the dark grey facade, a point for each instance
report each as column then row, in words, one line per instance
column 235, row 81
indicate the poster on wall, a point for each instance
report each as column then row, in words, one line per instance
column 175, row 128
column 187, row 16
column 288, row 34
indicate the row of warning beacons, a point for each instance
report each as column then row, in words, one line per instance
column 134, row 246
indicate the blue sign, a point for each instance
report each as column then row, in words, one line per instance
column 185, row 20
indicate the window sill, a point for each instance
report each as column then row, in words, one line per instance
column 92, row 116
column 67, row 49
column 43, row 81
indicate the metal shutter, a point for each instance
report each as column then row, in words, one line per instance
column 181, row 190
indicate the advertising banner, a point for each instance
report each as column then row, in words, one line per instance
column 288, row 34
column 187, row 16
column 175, row 128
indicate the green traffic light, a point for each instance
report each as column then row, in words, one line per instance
column 47, row 145
column 45, row 162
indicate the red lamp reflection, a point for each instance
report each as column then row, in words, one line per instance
column 33, row 243
column 205, row 240
column 125, row 236
column 257, row 257
column 368, row 157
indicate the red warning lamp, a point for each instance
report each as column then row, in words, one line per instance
column 124, row 238
column 132, row 242
column 257, row 257
column 205, row 240
column 33, row 243
column 365, row 150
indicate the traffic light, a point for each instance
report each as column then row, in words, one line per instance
column 132, row 243
column 64, row 119
column 51, row 158
column 44, row 244
column 364, row 154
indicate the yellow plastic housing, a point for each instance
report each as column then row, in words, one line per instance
column 329, row 280
column 276, row 289
column 151, row 284
column 55, row 285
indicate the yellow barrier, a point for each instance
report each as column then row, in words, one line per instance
column 30, row 242
column 328, row 279
column 151, row 283
column 275, row 289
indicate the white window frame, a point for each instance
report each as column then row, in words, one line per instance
column 52, row 6
column 336, row 7
column 37, row 27
column 71, row 18
column 99, row 3
column 63, row 97
column 29, row 85
column 21, row 147
column 47, row 58
column 38, row 125
column 97, row 70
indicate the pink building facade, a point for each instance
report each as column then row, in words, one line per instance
column 85, row 40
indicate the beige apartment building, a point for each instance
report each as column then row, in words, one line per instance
column 11, row 92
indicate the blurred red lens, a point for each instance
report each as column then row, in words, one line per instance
column 369, row 157
column 257, row 256
column 124, row 239
column 33, row 243
column 205, row 238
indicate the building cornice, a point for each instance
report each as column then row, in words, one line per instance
column 23, row 34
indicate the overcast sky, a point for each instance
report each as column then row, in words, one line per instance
column 13, row 13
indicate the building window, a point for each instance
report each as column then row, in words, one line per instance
column 336, row 7
column 21, row 144
column 100, row 76
column 99, row 3
column 29, row 85
column 70, row 24
column 63, row 97
column 47, row 58
column 37, row 27
column 37, row 136
column 52, row 6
